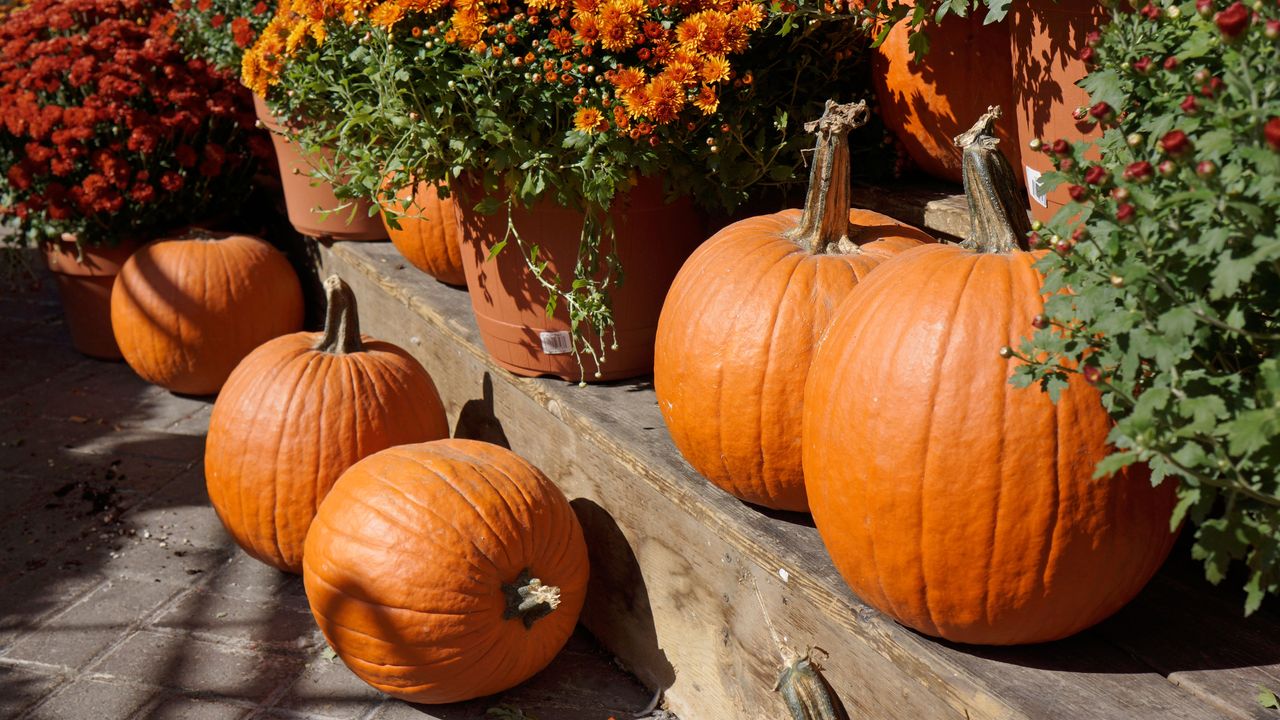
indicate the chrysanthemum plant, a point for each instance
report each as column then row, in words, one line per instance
column 565, row 99
column 1171, row 255
column 219, row 31
column 106, row 131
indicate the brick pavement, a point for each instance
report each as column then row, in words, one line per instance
column 120, row 594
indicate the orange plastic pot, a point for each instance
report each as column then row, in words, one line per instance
column 428, row 236
column 653, row 240
column 306, row 198
column 84, row 284
column 927, row 104
column 1046, row 41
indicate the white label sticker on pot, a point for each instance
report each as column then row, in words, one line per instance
column 556, row 343
column 1033, row 187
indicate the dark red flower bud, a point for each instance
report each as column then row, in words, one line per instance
column 1142, row 65
column 1125, row 213
column 1096, row 175
column 1066, row 164
column 1151, row 12
column 1087, row 54
column 1033, row 240
column 1206, row 169
column 1079, row 193
column 1272, row 132
column 1205, row 8
column 1271, row 30
column 1175, row 143
column 1211, row 88
column 1079, row 234
column 1092, row 374
column 1102, row 111
column 1093, row 39
column 1233, row 21
column 1139, row 172
column 1039, row 322
column 1189, row 105
column 1061, row 148
column 1170, row 63
column 1201, row 75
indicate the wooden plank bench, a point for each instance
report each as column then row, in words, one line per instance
column 685, row 578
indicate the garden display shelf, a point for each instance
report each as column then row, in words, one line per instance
column 686, row 581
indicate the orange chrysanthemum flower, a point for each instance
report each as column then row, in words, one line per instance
column 707, row 101
column 590, row 121
column 666, row 99
column 628, row 79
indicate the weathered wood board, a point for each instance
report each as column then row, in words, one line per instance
column 676, row 562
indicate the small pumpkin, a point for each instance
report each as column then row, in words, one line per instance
column 186, row 311
column 742, row 319
column 952, row 501
column 925, row 104
column 297, row 413
column 445, row 571
column 428, row 235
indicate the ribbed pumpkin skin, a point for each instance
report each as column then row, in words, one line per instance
column 954, row 502
column 926, row 104
column 186, row 312
column 735, row 338
column 429, row 234
column 406, row 559
column 291, row 419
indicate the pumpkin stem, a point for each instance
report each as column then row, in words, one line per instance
column 825, row 222
column 341, row 325
column 529, row 600
column 998, row 220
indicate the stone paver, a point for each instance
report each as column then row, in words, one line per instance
column 122, row 596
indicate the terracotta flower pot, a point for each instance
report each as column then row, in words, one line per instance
column 927, row 104
column 305, row 197
column 1047, row 38
column 653, row 240
column 428, row 237
column 84, row 285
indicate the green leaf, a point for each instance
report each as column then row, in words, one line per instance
column 996, row 10
column 497, row 248
column 1114, row 462
column 1268, row 699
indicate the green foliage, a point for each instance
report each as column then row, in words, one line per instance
column 1174, row 275
column 404, row 106
column 886, row 14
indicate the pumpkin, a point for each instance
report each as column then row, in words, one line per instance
column 924, row 104
column 743, row 317
column 950, row 500
column 428, row 235
column 445, row 571
column 297, row 413
column 186, row 311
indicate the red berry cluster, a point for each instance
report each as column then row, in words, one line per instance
column 100, row 113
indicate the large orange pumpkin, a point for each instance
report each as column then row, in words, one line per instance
column 950, row 500
column 744, row 315
column 445, row 571
column 926, row 104
column 297, row 413
column 428, row 234
column 186, row 311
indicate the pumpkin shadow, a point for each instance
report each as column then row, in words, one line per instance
column 617, row 597
column 477, row 419
column 1177, row 624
